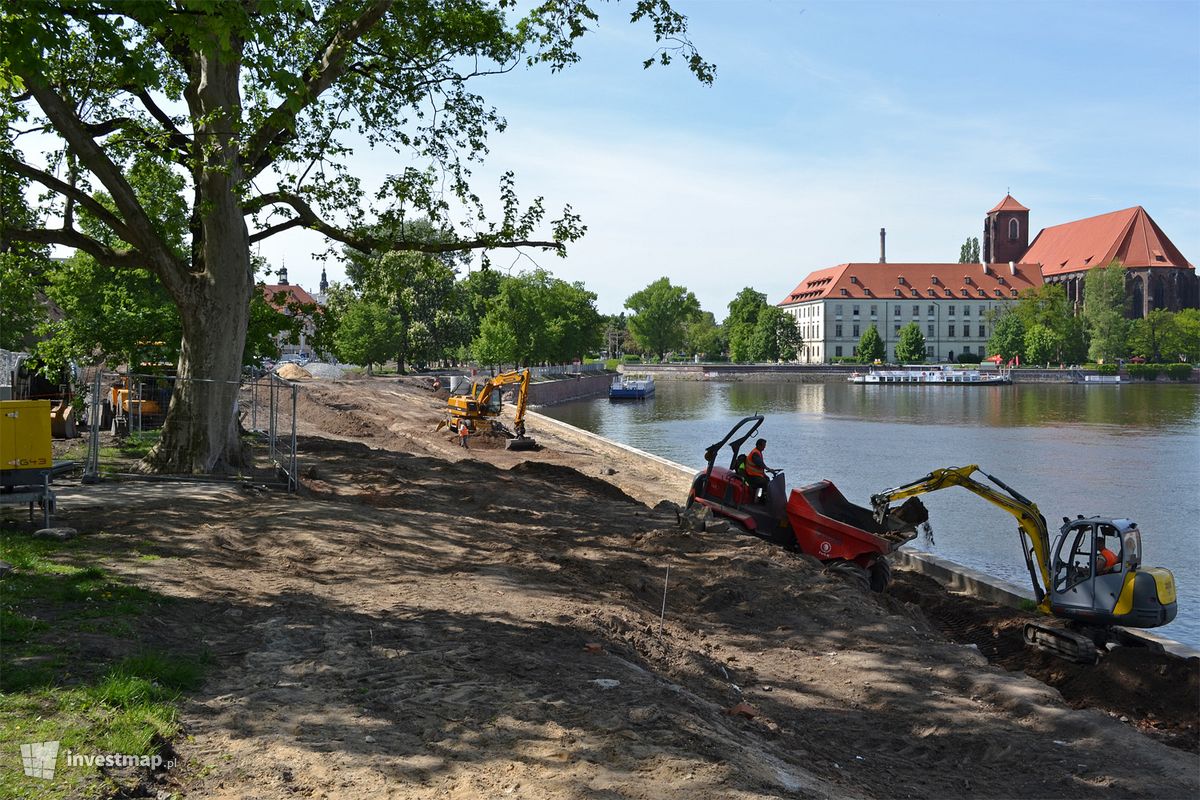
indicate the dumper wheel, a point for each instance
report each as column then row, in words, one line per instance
column 880, row 574
column 850, row 572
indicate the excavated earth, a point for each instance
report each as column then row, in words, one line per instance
column 428, row 622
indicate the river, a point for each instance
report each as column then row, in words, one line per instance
column 1124, row 451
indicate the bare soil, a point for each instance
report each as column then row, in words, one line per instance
column 424, row 621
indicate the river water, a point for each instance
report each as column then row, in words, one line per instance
column 1124, row 451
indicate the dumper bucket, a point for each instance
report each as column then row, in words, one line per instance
column 521, row 443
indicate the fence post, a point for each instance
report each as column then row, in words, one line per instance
column 254, row 405
column 293, row 476
column 271, row 422
column 91, row 471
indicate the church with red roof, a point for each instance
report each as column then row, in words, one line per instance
column 952, row 303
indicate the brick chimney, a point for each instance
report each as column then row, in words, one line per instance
column 883, row 245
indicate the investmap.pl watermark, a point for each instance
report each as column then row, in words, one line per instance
column 41, row 758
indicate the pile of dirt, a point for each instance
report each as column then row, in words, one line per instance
column 293, row 372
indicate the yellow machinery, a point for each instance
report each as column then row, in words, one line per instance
column 24, row 441
column 483, row 404
column 26, row 461
column 1072, row 580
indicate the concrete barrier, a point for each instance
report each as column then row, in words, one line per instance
column 544, row 393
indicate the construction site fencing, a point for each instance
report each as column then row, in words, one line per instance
column 125, row 415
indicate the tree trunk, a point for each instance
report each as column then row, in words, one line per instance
column 200, row 434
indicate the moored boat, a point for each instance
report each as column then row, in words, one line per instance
column 631, row 387
column 924, row 374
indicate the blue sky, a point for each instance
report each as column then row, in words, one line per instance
column 828, row 121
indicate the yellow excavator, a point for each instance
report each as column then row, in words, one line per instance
column 1091, row 576
column 483, row 403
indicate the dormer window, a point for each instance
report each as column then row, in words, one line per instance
column 999, row 293
column 933, row 279
column 854, row 279
column 1014, row 229
column 845, row 292
column 966, row 293
column 915, row 293
column 899, row 293
column 900, row 279
column 967, row 280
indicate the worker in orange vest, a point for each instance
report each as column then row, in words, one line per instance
column 1106, row 559
column 464, row 431
column 756, row 470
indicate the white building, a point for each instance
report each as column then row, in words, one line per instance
column 951, row 303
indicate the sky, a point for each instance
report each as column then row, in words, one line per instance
column 828, row 121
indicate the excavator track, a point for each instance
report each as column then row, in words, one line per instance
column 1070, row 645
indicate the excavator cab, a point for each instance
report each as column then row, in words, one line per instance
column 1090, row 587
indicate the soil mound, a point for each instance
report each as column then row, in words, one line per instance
column 293, row 372
column 568, row 476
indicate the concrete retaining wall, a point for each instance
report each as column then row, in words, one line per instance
column 547, row 393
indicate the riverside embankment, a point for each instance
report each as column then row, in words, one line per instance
column 424, row 621
column 834, row 372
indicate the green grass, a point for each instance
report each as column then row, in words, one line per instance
column 127, row 704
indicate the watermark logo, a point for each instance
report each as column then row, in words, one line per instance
column 39, row 759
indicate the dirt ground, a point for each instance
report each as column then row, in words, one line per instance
column 424, row 621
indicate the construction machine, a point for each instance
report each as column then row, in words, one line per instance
column 815, row 519
column 482, row 404
column 1091, row 577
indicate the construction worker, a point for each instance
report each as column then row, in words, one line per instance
column 756, row 470
column 1106, row 560
column 464, row 431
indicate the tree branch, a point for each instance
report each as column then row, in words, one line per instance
column 67, row 190
column 104, row 254
column 306, row 217
column 139, row 230
column 323, row 72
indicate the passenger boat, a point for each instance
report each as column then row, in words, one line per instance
column 925, row 374
column 631, row 387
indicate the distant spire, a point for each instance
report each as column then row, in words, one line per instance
column 283, row 281
column 324, row 282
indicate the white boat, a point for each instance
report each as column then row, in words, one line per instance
column 925, row 374
column 631, row 387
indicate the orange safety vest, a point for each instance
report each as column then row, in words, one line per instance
column 463, row 429
column 1105, row 560
column 753, row 469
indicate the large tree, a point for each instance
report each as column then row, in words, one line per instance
column 776, row 336
column 871, row 347
column 661, row 313
column 1047, row 306
column 253, row 102
column 1008, row 337
column 969, row 252
column 1104, row 302
column 910, row 348
column 741, row 321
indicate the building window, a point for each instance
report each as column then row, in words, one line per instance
column 837, row 351
column 950, row 311
column 896, row 311
column 929, row 350
column 930, row 328
column 950, row 332
column 855, row 329
column 837, row 331
column 896, row 329
column 845, row 292
column 982, row 310
column 931, row 311
column 1014, row 229
column 981, row 334
column 966, row 311
column 838, row 309
column 899, row 293
column 854, row 310
column 874, row 311
column 916, row 311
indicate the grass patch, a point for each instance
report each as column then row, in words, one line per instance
column 49, row 691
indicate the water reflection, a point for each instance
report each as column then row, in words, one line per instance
column 1122, row 451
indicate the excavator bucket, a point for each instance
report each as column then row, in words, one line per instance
column 521, row 443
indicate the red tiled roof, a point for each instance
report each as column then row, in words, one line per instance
column 1008, row 204
column 1129, row 236
column 294, row 293
column 915, row 281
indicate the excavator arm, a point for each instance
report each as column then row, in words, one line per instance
column 1030, row 521
column 506, row 379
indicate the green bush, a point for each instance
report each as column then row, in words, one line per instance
column 611, row 365
column 970, row 358
column 630, row 358
column 1179, row 372
column 1107, row 369
column 1143, row 372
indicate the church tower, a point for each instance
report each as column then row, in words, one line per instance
column 1005, row 232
